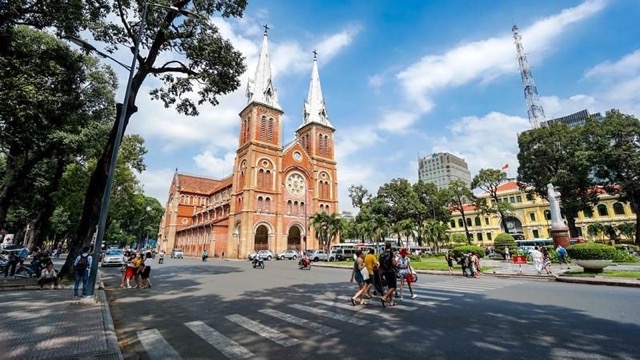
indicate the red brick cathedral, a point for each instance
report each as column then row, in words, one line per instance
column 274, row 188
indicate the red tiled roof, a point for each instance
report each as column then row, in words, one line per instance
column 508, row 186
column 196, row 184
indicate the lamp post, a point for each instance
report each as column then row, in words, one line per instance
column 104, row 206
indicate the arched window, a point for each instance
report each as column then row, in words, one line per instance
column 321, row 207
column 618, row 209
column 267, row 204
column 289, row 206
column 270, row 130
column 460, row 223
column 296, row 210
column 547, row 214
column 260, row 203
column 326, row 208
column 320, row 142
column 453, row 223
column 260, row 178
column 468, row 222
column 478, row 221
column 267, row 180
column 263, row 128
column 326, row 145
column 602, row 210
column 247, row 129
column 588, row 213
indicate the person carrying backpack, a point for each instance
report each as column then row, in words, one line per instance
column 82, row 265
column 388, row 264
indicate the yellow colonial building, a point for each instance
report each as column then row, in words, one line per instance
column 531, row 216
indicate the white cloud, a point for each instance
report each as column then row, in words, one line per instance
column 627, row 65
column 484, row 142
column 485, row 60
column 376, row 81
column 349, row 141
column 156, row 183
column 331, row 45
column 214, row 166
column 397, row 121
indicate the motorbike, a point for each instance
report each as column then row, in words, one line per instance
column 304, row 263
column 257, row 262
column 160, row 258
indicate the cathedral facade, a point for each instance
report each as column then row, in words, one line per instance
column 274, row 189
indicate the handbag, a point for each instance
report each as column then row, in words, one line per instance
column 365, row 273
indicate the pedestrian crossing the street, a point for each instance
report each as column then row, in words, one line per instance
column 328, row 314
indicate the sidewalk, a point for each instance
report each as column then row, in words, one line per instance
column 52, row 324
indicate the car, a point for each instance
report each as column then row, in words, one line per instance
column 113, row 257
column 252, row 255
column 316, row 255
column 177, row 254
column 288, row 254
column 341, row 254
column 266, row 254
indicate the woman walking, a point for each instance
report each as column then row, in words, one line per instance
column 405, row 271
column 359, row 274
column 146, row 270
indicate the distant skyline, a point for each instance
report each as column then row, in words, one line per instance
column 409, row 80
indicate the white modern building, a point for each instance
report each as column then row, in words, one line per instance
column 442, row 168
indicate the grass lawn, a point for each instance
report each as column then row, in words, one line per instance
column 607, row 273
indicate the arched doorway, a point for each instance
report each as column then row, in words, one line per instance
column 514, row 225
column 261, row 240
column 294, row 238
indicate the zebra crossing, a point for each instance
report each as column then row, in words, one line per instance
column 332, row 306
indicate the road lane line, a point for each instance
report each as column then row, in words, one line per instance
column 231, row 349
column 322, row 329
column 273, row 335
column 361, row 310
column 330, row 315
column 156, row 346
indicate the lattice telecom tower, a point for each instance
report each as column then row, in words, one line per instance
column 534, row 107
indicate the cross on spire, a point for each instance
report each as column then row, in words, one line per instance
column 315, row 54
column 266, row 28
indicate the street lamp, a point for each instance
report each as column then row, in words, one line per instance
column 104, row 206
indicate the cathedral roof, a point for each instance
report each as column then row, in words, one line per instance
column 196, row 184
column 315, row 110
column 261, row 89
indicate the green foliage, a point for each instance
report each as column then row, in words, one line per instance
column 458, row 251
column 502, row 240
column 458, row 238
column 622, row 255
column 591, row 251
column 359, row 195
column 488, row 180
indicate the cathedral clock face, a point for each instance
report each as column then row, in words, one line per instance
column 295, row 184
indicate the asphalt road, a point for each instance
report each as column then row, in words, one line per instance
column 228, row 310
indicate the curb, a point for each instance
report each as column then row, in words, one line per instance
column 592, row 281
column 109, row 329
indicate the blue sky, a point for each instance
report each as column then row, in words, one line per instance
column 398, row 81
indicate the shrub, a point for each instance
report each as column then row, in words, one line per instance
column 458, row 251
column 624, row 256
column 415, row 258
column 592, row 251
column 503, row 240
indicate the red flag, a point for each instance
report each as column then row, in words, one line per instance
column 505, row 166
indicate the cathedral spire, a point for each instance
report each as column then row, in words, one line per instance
column 260, row 88
column 315, row 110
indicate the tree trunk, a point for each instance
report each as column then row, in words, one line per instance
column 95, row 190
column 464, row 222
column 571, row 223
column 635, row 206
column 43, row 220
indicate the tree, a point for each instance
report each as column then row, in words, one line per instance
column 460, row 196
column 596, row 229
column 615, row 145
column 489, row 180
column 209, row 67
column 358, row 195
column 432, row 204
column 65, row 16
column 628, row 230
column 326, row 227
column 435, row 232
column 557, row 154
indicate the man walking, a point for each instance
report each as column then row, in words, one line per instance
column 82, row 264
column 537, row 258
column 388, row 263
column 562, row 256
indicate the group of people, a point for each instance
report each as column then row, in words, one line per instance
column 373, row 273
column 136, row 268
column 470, row 263
column 542, row 259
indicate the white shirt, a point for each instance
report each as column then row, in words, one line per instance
column 536, row 255
column 148, row 262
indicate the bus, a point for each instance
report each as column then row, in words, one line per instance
column 528, row 245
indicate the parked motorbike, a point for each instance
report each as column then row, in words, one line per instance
column 304, row 263
column 257, row 262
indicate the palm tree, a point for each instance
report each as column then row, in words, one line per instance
column 326, row 227
column 379, row 228
column 628, row 230
column 406, row 228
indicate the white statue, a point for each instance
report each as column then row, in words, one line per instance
column 553, row 196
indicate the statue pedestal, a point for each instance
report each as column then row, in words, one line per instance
column 560, row 235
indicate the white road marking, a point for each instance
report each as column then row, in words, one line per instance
column 156, row 346
column 322, row 329
column 273, row 335
column 231, row 349
column 375, row 300
column 359, row 309
column 329, row 314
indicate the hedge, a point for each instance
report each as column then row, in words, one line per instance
column 458, row 251
column 503, row 240
column 592, row 251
